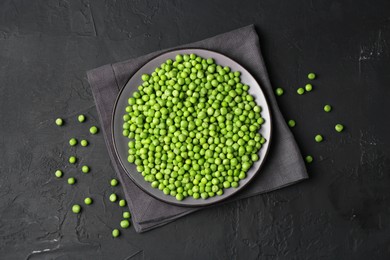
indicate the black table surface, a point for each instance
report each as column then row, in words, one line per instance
column 341, row 212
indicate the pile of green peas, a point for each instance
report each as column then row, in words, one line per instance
column 193, row 128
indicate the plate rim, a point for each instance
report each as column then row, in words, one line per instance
column 177, row 203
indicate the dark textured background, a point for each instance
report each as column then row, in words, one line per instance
column 341, row 212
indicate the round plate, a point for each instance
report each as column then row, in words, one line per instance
column 121, row 142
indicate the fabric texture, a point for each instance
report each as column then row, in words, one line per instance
column 283, row 166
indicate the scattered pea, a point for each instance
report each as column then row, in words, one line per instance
column 76, row 208
column 311, row 75
column 125, row 223
column 58, row 173
column 93, row 130
column 318, row 138
column 339, row 128
column 327, row 108
column 85, row 169
column 113, row 197
column 309, row 159
column 291, row 123
column 72, row 159
column 73, row 142
column 126, row 214
column 300, row 91
column 88, row 201
column 71, row 181
column 122, row 203
column 59, row 121
column 308, row 87
column 84, row 143
column 279, row 91
column 114, row 182
column 116, row 233
column 81, row 118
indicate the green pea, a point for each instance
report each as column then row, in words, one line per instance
column 59, row 121
column 81, row 118
column 179, row 197
column 291, row 123
column 58, row 173
column 308, row 87
column 116, row 233
column 85, row 169
column 327, row 108
column 126, row 214
column 73, row 142
column 311, row 76
column 93, row 130
column 254, row 157
column 300, row 91
column 88, row 201
column 71, row 181
column 309, row 159
column 204, row 195
column 318, row 138
column 76, row 209
column 279, row 91
column 339, row 128
column 84, row 143
column 125, row 223
column 114, row 182
column 113, row 197
column 72, row 159
column 122, row 203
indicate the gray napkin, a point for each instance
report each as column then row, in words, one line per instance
column 283, row 166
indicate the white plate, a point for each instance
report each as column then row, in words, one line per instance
column 121, row 142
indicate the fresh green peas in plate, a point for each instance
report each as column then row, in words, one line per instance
column 193, row 128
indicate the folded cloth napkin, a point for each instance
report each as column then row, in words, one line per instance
column 283, row 166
